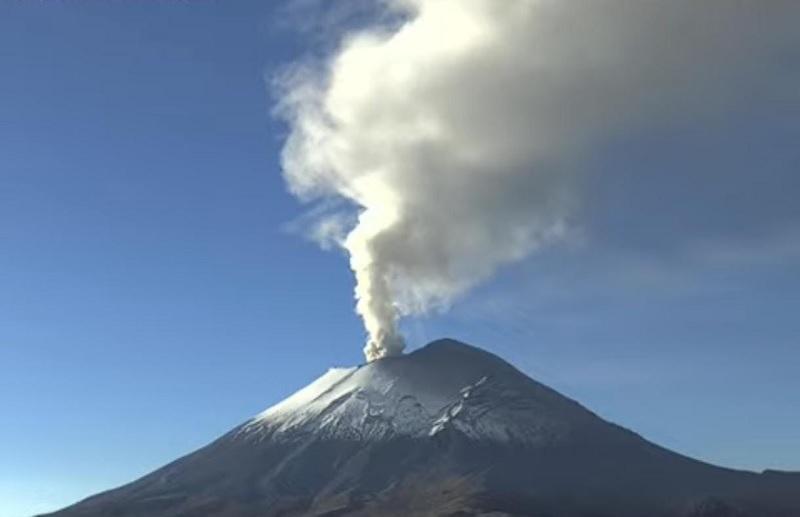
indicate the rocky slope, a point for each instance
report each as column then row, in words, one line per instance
column 446, row 430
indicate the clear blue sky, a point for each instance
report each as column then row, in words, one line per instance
column 151, row 297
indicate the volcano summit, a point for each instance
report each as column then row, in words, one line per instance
column 448, row 429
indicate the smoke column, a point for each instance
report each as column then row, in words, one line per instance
column 457, row 134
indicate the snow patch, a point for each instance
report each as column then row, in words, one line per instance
column 419, row 395
column 307, row 395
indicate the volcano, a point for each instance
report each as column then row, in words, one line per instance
column 448, row 429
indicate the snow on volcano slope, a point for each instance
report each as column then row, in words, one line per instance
column 446, row 430
column 445, row 385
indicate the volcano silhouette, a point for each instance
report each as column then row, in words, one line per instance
column 448, row 429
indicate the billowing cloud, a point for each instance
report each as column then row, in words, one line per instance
column 459, row 133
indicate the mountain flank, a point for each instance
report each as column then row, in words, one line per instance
column 448, row 429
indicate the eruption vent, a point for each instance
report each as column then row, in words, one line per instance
column 456, row 135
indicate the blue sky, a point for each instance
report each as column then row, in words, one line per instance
column 151, row 296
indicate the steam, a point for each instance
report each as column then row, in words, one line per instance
column 459, row 133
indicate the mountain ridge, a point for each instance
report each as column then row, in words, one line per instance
column 448, row 429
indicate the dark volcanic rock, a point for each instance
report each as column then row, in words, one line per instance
column 446, row 430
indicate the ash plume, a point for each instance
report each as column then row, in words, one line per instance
column 458, row 134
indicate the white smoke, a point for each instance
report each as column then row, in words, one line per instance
column 458, row 133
